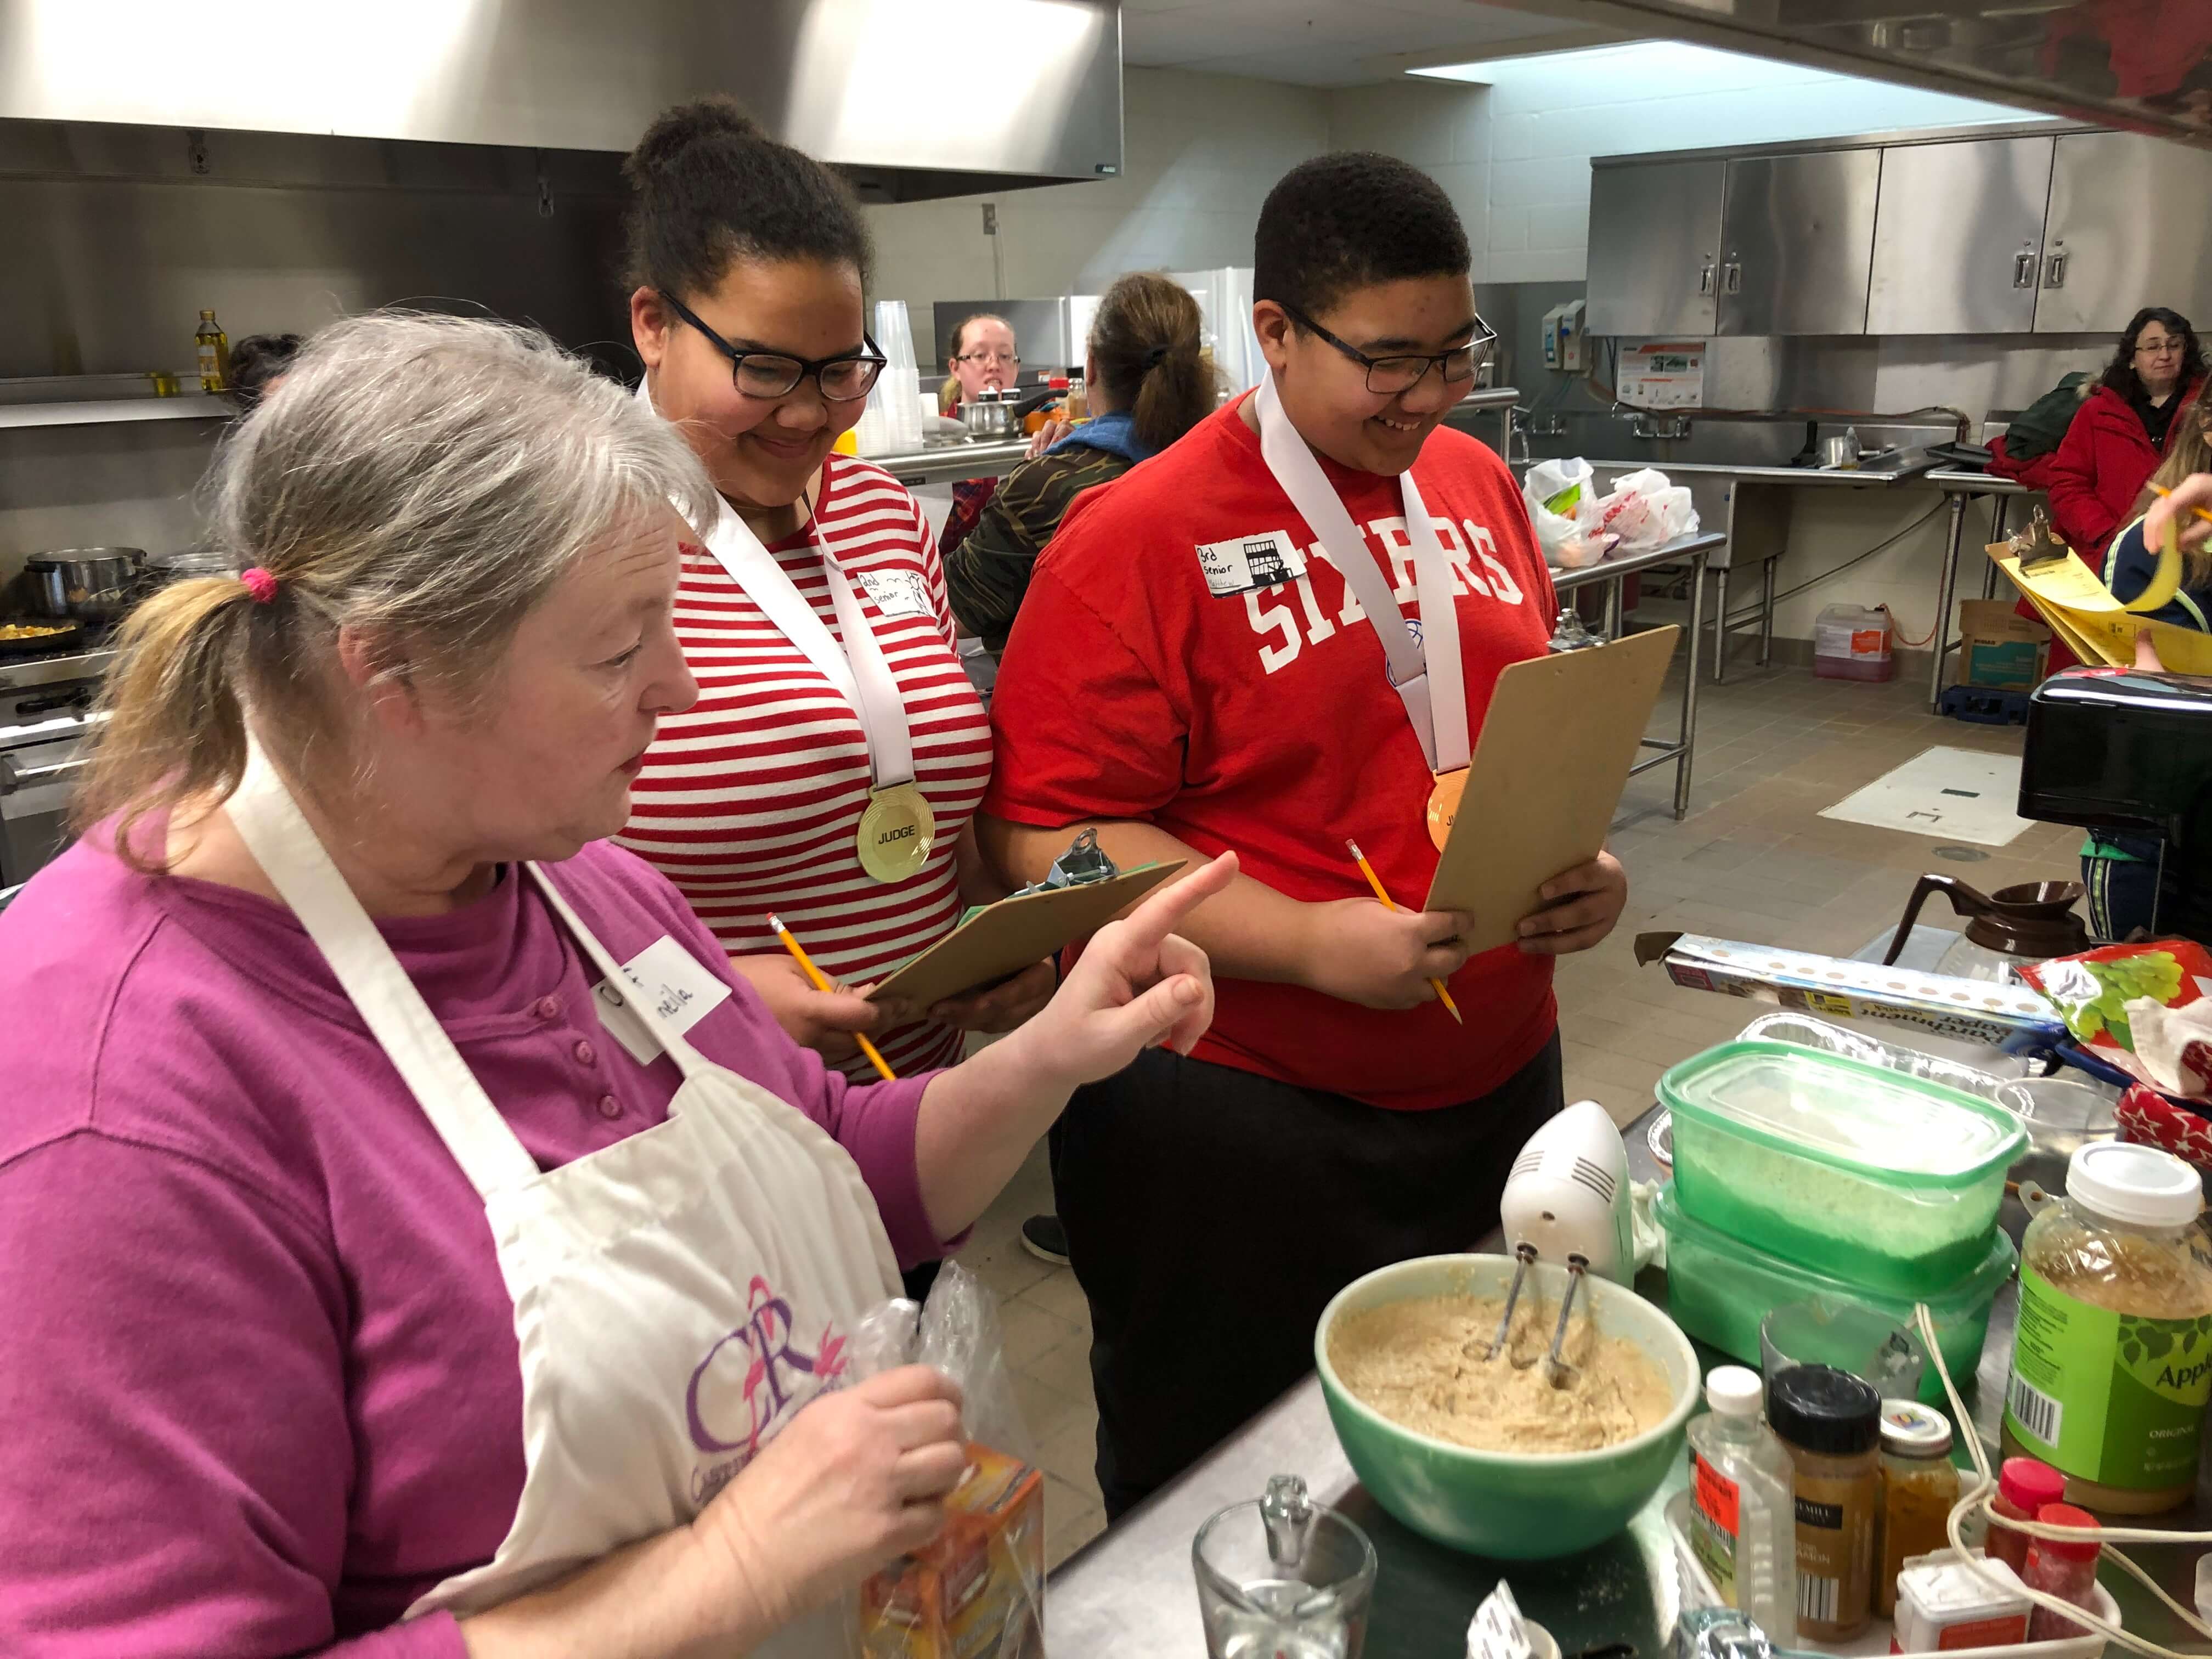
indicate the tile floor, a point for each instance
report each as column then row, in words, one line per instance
column 1754, row 860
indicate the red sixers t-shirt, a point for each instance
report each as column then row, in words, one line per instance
column 1259, row 719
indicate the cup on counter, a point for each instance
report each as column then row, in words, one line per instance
column 1846, row 1334
column 1283, row 1577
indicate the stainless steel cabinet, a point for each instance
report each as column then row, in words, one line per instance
column 1654, row 249
column 1797, row 242
column 1958, row 237
column 2129, row 226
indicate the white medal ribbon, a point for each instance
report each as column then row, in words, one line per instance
column 1426, row 673
column 859, row 671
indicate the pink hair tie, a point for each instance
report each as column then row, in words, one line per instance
column 260, row 584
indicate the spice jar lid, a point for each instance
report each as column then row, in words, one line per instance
column 1824, row 1410
column 2143, row 1185
column 2069, row 1549
column 1909, row 1429
column 2029, row 1484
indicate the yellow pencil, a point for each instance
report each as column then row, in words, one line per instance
column 2200, row 512
column 821, row 984
column 1375, row 882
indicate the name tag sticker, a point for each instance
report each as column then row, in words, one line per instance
column 897, row 593
column 1266, row 560
column 679, row 987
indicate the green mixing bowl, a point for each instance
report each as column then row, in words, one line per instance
column 1513, row 1506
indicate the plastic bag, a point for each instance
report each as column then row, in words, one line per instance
column 1644, row 511
column 1563, row 507
column 2102, row 993
column 978, row 1592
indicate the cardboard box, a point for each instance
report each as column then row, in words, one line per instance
column 1974, row 1010
column 1999, row 651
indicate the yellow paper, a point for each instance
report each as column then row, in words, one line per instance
column 2082, row 612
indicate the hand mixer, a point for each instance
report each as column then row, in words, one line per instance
column 1567, row 1200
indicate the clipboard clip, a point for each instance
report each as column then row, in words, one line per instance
column 1083, row 863
column 2037, row 543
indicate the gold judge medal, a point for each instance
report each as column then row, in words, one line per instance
column 898, row 830
column 1443, row 804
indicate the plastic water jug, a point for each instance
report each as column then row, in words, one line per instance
column 1850, row 643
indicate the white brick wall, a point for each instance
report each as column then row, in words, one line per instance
column 1203, row 149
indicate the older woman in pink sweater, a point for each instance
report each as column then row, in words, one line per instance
column 414, row 1239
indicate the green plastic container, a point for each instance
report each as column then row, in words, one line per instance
column 1720, row 1290
column 1871, row 1176
column 1512, row 1506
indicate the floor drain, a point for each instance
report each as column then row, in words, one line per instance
column 1961, row 854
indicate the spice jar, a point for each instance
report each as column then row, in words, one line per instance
column 1918, row 1490
column 2024, row 1486
column 2112, row 1363
column 2063, row 1567
column 1831, row 1422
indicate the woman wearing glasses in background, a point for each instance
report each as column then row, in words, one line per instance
column 985, row 358
column 1203, row 659
column 828, row 770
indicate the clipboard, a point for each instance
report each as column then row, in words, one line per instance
column 2096, row 627
column 1004, row 938
column 1546, row 779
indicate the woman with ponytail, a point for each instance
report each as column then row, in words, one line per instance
column 416, row 1241
column 1150, row 381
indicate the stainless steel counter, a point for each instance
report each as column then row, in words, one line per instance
column 951, row 462
column 1694, row 549
column 1912, row 464
column 1130, row 1591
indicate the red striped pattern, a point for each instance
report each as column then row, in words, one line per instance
column 750, row 801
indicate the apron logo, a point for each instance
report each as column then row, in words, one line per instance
column 772, row 1385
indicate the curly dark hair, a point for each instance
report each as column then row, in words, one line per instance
column 255, row 361
column 710, row 186
column 2120, row 374
column 1341, row 222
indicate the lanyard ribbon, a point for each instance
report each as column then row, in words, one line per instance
column 1427, row 672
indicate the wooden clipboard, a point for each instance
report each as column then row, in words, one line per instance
column 1004, row 938
column 1549, row 766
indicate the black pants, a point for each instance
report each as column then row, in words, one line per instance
column 1211, row 1215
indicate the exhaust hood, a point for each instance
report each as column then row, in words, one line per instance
column 2142, row 66
column 910, row 100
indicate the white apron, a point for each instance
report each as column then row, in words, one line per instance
column 678, row 1296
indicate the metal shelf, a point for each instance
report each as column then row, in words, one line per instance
column 192, row 406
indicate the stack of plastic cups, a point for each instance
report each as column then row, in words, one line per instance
column 901, row 381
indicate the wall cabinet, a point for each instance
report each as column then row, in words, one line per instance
column 1958, row 237
column 2064, row 232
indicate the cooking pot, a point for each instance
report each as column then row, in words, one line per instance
column 89, row 584
column 987, row 417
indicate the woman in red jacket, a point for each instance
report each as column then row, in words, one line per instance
column 2123, row 431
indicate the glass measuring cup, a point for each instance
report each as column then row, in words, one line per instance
column 1283, row 1577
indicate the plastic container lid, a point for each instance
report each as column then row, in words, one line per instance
column 2141, row 1185
column 1735, row 1391
column 1909, row 1429
column 2067, row 1549
column 1844, row 1112
column 1825, row 1410
column 2029, row 1485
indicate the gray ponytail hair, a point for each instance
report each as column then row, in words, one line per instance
column 423, row 481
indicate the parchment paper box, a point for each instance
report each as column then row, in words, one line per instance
column 1972, row 1009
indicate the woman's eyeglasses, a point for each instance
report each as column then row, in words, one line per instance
column 987, row 357
column 1393, row 375
column 843, row 379
column 2159, row 348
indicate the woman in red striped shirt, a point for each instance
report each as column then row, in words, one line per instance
column 828, row 770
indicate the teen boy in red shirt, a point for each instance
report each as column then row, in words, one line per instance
column 1192, row 671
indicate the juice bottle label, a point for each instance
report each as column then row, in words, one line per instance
column 1717, row 1522
column 2114, row 1398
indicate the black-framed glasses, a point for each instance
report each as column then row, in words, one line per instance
column 844, row 378
column 1395, row 373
